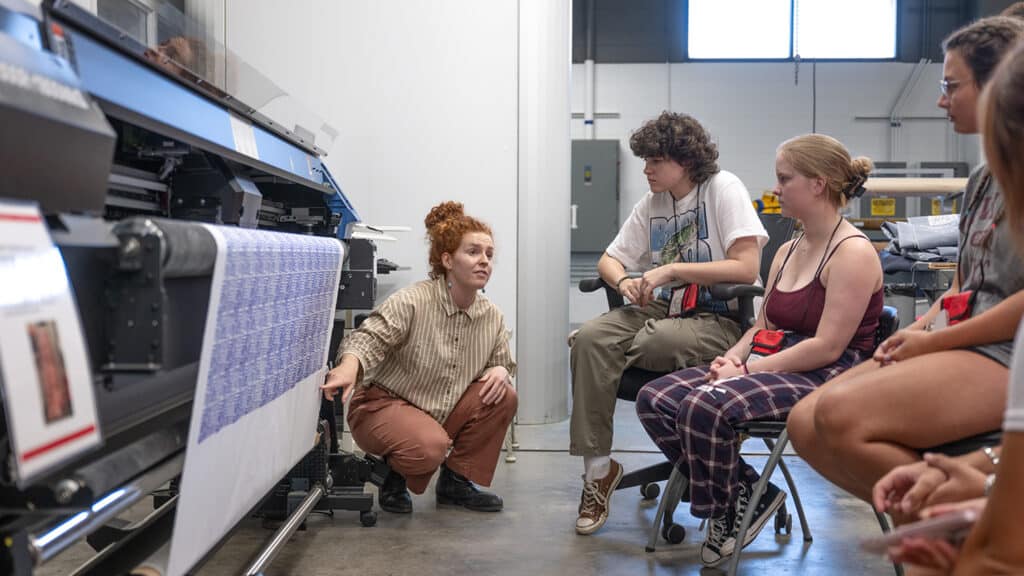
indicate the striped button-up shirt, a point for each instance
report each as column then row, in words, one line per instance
column 419, row 345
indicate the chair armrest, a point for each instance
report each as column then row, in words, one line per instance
column 730, row 291
column 588, row 285
column 615, row 299
column 744, row 294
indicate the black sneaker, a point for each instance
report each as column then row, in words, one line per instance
column 393, row 495
column 457, row 490
column 721, row 540
column 772, row 499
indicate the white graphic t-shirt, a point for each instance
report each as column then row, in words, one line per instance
column 699, row 228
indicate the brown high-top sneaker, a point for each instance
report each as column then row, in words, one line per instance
column 597, row 495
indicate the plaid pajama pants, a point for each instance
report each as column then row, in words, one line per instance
column 691, row 420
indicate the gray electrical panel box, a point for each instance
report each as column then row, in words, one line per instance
column 595, row 194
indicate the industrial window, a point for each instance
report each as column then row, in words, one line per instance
column 734, row 29
column 829, row 29
column 783, row 29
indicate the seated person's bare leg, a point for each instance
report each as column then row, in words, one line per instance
column 882, row 419
column 803, row 433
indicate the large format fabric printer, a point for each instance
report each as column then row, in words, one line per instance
column 123, row 153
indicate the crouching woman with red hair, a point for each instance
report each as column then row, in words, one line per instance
column 429, row 373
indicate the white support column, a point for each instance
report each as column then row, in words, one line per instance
column 545, row 64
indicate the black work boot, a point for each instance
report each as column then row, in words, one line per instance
column 458, row 491
column 394, row 496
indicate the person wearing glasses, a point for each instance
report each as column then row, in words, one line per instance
column 944, row 377
column 988, row 483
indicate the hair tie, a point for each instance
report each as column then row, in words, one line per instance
column 856, row 188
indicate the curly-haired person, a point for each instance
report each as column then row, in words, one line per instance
column 696, row 227
column 429, row 374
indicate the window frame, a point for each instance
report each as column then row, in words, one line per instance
column 149, row 7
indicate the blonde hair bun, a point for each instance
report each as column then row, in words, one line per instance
column 862, row 166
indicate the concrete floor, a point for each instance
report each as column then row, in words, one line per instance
column 534, row 534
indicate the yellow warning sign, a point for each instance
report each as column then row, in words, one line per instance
column 939, row 207
column 883, row 206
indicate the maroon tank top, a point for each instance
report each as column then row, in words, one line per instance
column 800, row 310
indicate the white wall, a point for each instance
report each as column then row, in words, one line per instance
column 424, row 96
column 750, row 108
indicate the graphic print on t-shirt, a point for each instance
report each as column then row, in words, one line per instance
column 681, row 238
column 983, row 225
column 684, row 238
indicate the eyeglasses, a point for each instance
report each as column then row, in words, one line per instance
column 947, row 87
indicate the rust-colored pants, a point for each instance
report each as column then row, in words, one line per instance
column 415, row 444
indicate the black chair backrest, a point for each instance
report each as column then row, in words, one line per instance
column 780, row 230
column 888, row 322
